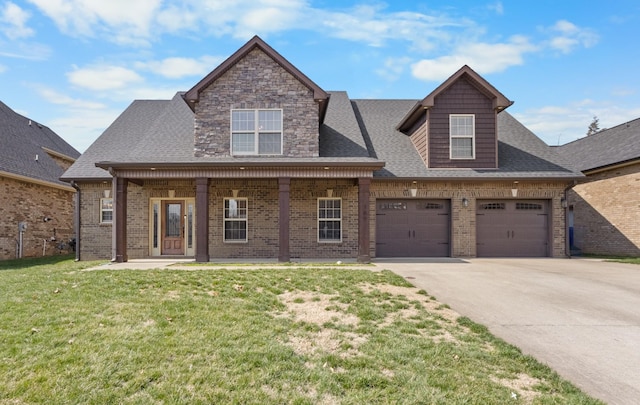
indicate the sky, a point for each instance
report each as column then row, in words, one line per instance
column 75, row 65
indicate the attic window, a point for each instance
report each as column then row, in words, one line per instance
column 462, row 129
column 256, row 132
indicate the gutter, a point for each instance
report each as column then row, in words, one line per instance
column 77, row 217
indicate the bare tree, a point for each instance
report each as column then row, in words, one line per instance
column 594, row 127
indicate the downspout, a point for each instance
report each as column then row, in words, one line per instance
column 76, row 220
column 567, row 246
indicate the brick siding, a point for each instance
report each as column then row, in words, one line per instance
column 263, row 213
column 606, row 212
column 31, row 203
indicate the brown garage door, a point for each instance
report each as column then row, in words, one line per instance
column 507, row 228
column 412, row 228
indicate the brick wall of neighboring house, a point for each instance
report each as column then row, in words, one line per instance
column 31, row 203
column 95, row 238
column 463, row 219
column 606, row 212
column 271, row 86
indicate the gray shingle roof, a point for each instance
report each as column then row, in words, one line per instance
column 521, row 153
column 353, row 131
column 21, row 139
column 610, row 146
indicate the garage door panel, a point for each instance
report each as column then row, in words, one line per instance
column 512, row 228
column 412, row 228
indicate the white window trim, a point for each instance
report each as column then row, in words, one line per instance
column 225, row 220
column 472, row 137
column 329, row 219
column 102, row 210
column 256, row 132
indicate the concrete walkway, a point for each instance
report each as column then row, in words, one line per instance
column 579, row 316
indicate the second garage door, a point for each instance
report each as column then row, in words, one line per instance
column 412, row 228
column 512, row 228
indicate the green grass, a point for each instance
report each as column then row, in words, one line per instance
column 617, row 259
column 290, row 335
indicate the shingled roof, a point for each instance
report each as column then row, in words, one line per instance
column 160, row 132
column 25, row 148
column 612, row 146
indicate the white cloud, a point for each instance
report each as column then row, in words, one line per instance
column 482, row 57
column 103, row 77
column 56, row 97
column 557, row 125
column 177, row 67
column 497, row 7
column 568, row 36
column 393, row 68
column 123, row 21
column 13, row 20
column 3, row 68
column 81, row 127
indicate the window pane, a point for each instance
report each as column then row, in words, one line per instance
column 269, row 144
column 329, row 230
column 235, row 230
column 461, row 126
column 242, row 120
column 462, row 147
column 107, row 216
column 235, row 208
column 155, row 225
column 174, row 221
column 269, row 120
column 243, row 142
column 190, row 226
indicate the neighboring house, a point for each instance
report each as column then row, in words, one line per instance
column 604, row 208
column 257, row 161
column 36, row 207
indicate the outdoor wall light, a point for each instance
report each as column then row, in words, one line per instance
column 46, row 219
column 465, row 202
column 514, row 190
column 414, row 189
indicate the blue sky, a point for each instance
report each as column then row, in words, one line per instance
column 75, row 65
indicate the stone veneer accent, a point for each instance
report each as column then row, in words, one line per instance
column 271, row 86
column 262, row 195
column 29, row 202
column 606, row 212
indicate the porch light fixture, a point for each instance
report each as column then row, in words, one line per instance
column 414, row 189
column 465, row 202
column 514, row 190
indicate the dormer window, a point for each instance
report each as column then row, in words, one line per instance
column 256, row 132
column 462, row 136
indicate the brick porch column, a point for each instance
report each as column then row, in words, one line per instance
column 202, row 220
column 120, row 221
column 363, row 220
column 284, row 184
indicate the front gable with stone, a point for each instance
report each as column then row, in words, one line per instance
column 256, row 161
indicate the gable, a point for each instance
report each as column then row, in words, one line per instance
column 256, row 82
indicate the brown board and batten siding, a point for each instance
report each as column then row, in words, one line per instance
column 462, row 97
column 419, row 138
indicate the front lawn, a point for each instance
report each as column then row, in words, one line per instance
column 244, row 336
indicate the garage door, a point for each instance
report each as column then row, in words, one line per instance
column 412, row 228
column 512, row 228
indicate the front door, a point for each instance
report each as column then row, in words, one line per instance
column 173, row 228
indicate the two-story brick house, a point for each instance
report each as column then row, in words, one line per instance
column 257, row 161
column 36, row 207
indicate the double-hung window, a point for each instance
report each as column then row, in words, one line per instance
column 462, row 131
column 235, row 219
column 329, row 219
column 106, row 210
column 256, row 132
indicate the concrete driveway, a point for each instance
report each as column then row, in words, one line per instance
column 579, row 316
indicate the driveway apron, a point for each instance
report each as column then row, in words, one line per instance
column 579, row 316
